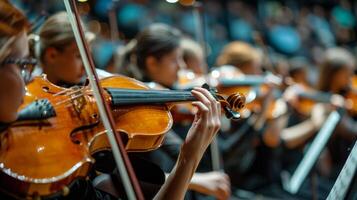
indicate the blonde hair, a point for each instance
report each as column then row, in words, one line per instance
column 12, row 24
column 237, row 54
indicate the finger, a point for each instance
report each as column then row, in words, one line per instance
column 227, row 180
column 202, row 110
column 219, row 108
column 226, row 190
column 206, row 93
column 213, row 117
column 223, row 192
column 212, row 100
column 201, row 98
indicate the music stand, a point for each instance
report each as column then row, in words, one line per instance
column 293, row 183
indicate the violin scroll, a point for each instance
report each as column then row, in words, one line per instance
column 231, row 105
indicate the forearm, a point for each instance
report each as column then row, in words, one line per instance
column 205, row 125
column 298, row 134
column 178, row 181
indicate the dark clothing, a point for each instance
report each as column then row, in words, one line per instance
column 167, row 154
column 84, row 190
column 80, row 190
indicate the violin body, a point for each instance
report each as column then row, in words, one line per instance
column 30, row 150
column 64, row 124
column 40, row 157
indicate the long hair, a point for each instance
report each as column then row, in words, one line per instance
column 334, row 60
column 12, row 23
column 156, row 40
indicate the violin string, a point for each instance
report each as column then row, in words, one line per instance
column 65, row 91
column 72, row 98
column 61, row 106
column 62, row 92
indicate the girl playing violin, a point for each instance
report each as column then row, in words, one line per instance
column 155, row 56
column 260, row 135
column 13, row 52
column 56, row 49
column 193, row 56
column 335, row 77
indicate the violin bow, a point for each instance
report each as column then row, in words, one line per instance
column 200, row 28
column 126, row 171
column 198, row 11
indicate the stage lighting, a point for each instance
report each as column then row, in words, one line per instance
column 172, row 1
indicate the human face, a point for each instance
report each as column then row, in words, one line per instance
column 164, row 70
column 64, row 65
column 196, row 64
column 12, row 86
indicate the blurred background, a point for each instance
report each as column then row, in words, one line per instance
column 288, row 33
column 288, row 30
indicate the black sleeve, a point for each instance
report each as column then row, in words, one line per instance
column 167, row 154
column 172, row 145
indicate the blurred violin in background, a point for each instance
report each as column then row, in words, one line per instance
column 229, row 80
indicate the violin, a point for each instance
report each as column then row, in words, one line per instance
column 255, row 87
column 229, row 80
column 65, row 124
column 226, row 82
column 354, row 82
column 308, row 97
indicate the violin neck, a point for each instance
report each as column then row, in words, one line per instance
column 246, row 81
column 322, row 97
column 122, row 97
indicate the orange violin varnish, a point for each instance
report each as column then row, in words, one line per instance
column 52, row 142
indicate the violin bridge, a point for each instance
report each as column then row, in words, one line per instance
column 78, row 99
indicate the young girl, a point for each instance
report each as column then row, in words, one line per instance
column 13, row 45
column 56, row 49
column 155, row 56
column 13, row 51
column 335, row 77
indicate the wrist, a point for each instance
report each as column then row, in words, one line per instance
column 314, row 126
column 188, row 156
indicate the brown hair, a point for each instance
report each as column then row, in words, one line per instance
column 55, row 32
column 237, row 54
column 12, row 24
column 334, row 60
column 157, row 40
column 191, row 49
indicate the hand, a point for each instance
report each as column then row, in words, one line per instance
column 291, row 94
column 318, row 115
column 205, row 125
column 216, row 184
column 338, row 101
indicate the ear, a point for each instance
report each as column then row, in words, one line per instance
column 50, row 55
column 151, row 64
